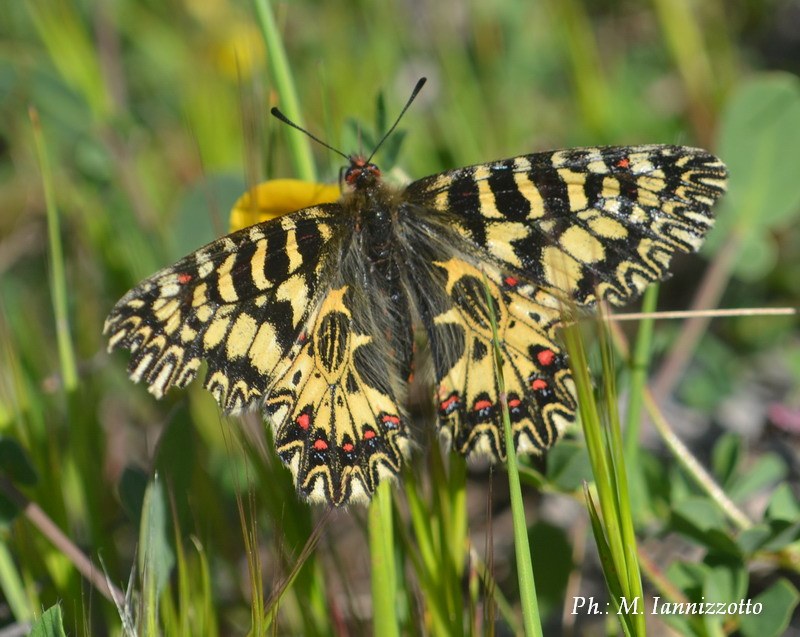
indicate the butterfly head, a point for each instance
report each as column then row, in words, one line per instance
column 361, row 173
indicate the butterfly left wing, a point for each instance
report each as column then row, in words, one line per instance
column 585, row 220
column 266, row 311
column 238, row 303
column 335, row 411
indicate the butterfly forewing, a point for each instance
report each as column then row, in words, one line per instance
column 586, row 220
column 238, row 303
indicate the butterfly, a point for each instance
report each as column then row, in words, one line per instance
column 311, row 317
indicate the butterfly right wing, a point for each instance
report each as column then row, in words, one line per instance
column 452, row 300
column 583, row 221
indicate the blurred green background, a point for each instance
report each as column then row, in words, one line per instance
column 154, row 117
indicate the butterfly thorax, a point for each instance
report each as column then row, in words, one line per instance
column 373, row 206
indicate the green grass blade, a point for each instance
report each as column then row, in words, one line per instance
column 300, row 146
column 13, row 587
column 623, row 510
column 610, row 573
column 382, row 560
column 58, row 280
column 527, row 586
column 638, row 381
column 615, row 536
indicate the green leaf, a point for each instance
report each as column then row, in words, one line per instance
column 782, row 534
column 700, row 519
column 688, row 576
column 767, row 470
column 552, row 564
column 725, row 457
column 568, row 466
column 203, row 211
column 14, row 462
column 760, row 142
column 131, row 488
column 773, row 536
column 50, row 624
column 610, row 572
column 777, row 604
column 783, row 505
column 754, row 538
column 156, row 557
column 726, row 580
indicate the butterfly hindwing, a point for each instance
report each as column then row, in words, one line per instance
column 536, row 377
column 237, row 303
column 585, row 220
column 338, row 425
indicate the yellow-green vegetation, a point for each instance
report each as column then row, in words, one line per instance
column 128, row 129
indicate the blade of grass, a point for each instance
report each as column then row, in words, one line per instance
column 300, row 146
column 527, row 587
column 615, row 449
column 424, row 553
column 638, row 380
column 450, row 559
column 13, row 587
column 610, row 572
column 382, row 559
column 58, row 281
column 615, row 535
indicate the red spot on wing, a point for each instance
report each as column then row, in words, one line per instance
column 546, row 357
column 320, row 445
column 369, row 434
column 539, row 384
column 389, row 418
column 184, row 278
column 348, row 447
column 624, row 163
column 445, row 405
column 482, row 404
column 514, row 402
column 303, row 421
column 510, row 281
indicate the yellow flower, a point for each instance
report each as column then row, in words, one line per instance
column 277, row 197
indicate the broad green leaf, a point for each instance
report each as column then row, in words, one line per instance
column 131, row 488
column 50, row 624
column 568, row 466
column 777, row 604
column 551, row 554
column 767, row 470
column 15, row 464
column 783, row 505
column 727, row 579
column 725, row 457
column 156, row 557
column 782, row 534
column 754, row 538
column 760, row 142
column 698, row 518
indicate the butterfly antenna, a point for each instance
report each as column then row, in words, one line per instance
column 414, row 93
column 276, row 113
